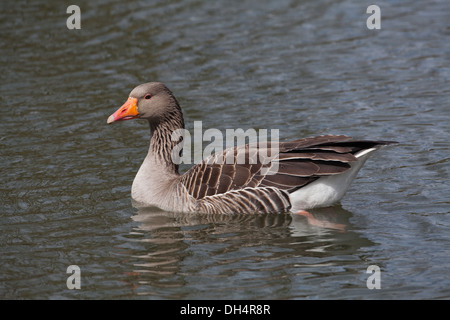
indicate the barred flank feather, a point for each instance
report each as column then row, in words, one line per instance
column 247, row 200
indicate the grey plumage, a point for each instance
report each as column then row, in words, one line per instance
column 237, row 179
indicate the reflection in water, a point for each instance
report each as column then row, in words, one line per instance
column 171, row 249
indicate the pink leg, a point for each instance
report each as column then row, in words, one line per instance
column 321, row 223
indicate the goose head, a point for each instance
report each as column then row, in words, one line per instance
column 152, row 101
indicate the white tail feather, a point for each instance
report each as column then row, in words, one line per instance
column 327, row 190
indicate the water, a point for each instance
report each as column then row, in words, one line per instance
column 304, row 67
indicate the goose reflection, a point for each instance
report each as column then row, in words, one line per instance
column 171, row 249
column 301, row 223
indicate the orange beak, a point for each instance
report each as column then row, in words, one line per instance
column 126, row 112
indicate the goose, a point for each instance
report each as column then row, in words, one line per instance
column 305, row 173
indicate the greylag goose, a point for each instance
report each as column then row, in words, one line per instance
column 311, row 172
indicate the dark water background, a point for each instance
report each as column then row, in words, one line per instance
column 304, row 67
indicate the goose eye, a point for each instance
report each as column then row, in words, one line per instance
column 147, row 96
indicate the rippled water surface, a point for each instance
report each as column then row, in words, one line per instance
column 303, row 67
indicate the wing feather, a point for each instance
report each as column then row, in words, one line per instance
column 298, row 163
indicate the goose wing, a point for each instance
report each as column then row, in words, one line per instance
column 259, row 178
